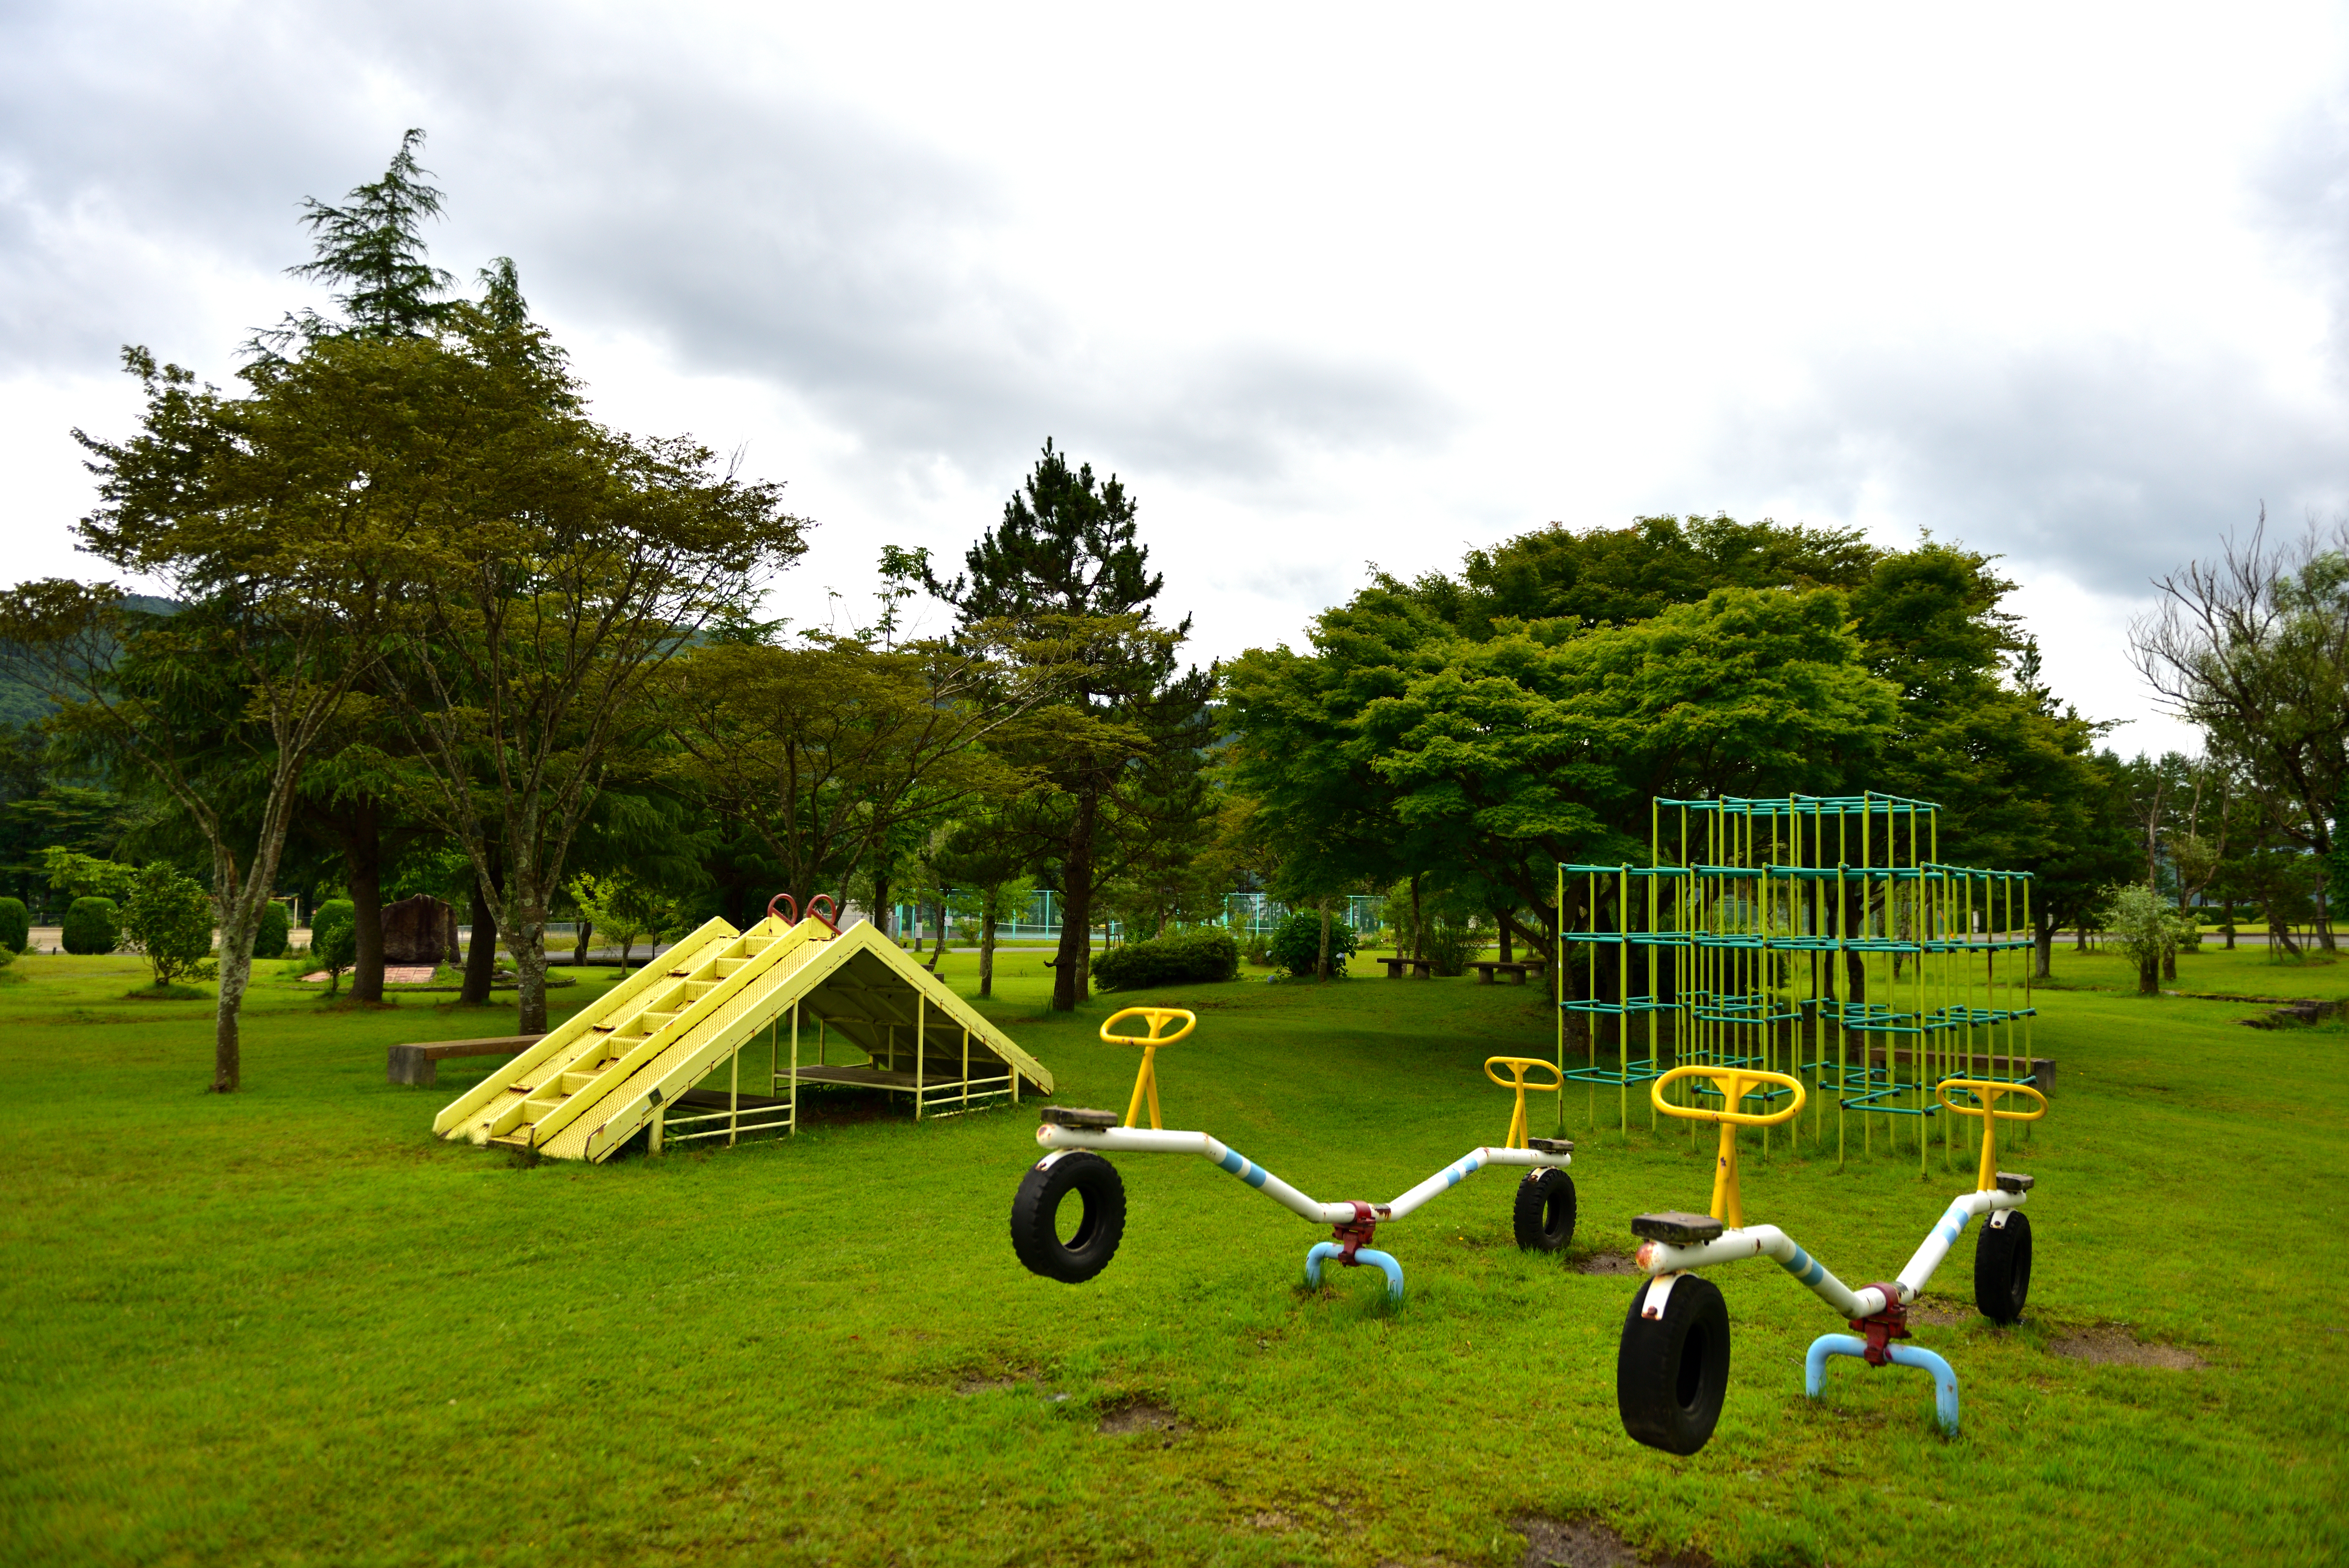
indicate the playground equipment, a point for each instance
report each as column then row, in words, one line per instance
column 1672, row 1368
column 1818, row 936
column 1544, row 1213
column 842, row 1008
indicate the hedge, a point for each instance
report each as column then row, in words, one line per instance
column 272, row 940
column 92, row 925
column 16, row 926
column 1189, row 958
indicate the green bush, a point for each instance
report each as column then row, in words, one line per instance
column 334, row 939
column 1452, row 944
column 1296, row 945
column 16, row 926
column 274, row 937
column 1188, row 958
column 92, row 925
column 170, row 919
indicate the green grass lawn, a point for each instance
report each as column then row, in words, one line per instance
column 289, row 1326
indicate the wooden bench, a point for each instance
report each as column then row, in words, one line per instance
column 1517, row 971
column 1423, row 968
column 414, row 1065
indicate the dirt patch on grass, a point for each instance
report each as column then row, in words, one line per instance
column 1942, row 1314
column 982, row 1384
column 1142, row 1416
column 1607, row 1263
column 2110, row 1346
column 1586, row 1543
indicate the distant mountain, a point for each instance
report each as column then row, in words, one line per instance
column 23, row 703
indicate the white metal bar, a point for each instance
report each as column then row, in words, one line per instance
column 1143, row 1141
column 1770, row 1241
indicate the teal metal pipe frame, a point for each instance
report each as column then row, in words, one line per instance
column 1945, row 1380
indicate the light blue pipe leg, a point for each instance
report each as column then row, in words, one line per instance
column 1945, row 1380
column 1393, row 1270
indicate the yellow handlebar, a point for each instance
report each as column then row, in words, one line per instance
column 1989, row 1093
column 1732, row 1084
column 1145, row 1082
column 1159, row 1018
column 1518, row 1067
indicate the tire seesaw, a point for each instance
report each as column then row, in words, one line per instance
column 1672, row 1368
column 1543, row 1214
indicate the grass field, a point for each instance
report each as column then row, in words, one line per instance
column 287, row 1326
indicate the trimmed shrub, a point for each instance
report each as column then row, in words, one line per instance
column 274, row 937
column 16, row 926
column 92, row 925
column 1296, row 945
column 1188, row 958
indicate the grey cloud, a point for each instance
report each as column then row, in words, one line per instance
column 2110, row 462
column 751, row 227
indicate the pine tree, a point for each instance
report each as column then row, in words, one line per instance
column 1066, row 571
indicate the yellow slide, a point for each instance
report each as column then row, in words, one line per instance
column 640, row 1055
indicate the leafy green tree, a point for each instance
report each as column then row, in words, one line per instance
column 2148, row 929
column 1494, row 760
column 1122, row 743
column 1617, row 575
column 268, row 519
column 168, row 918
column 15, row 927
column 2254, row 650
column 624, row 909
column 834, row 751
column 86, row 876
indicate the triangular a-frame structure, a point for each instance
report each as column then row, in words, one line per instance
column 800, row 1004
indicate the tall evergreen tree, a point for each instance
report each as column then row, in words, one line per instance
column 1065, row 570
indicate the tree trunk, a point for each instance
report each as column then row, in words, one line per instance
column 2043, row 950
column 481, row 952
column 939, row 949
column 363, row 869
column 885, row 919
column 1507, row 952
column 2169, row 964
column 239, row 906
column 2080, row 940
column 1321, row 965
column 1071, row 972
column 579, row 944
column 1418, row 926
column 987, row 949
column 526, row 945
column 2324, row 922
column 2279, row 932
column 2148, row 977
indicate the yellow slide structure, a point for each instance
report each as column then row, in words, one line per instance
column 831, row 1007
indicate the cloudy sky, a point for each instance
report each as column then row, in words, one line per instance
column 1326, row 284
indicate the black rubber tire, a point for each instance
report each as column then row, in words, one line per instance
column 1544, row 1213
column 1672, row 1372
column 1035, row 1213
column 2002, row 1268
